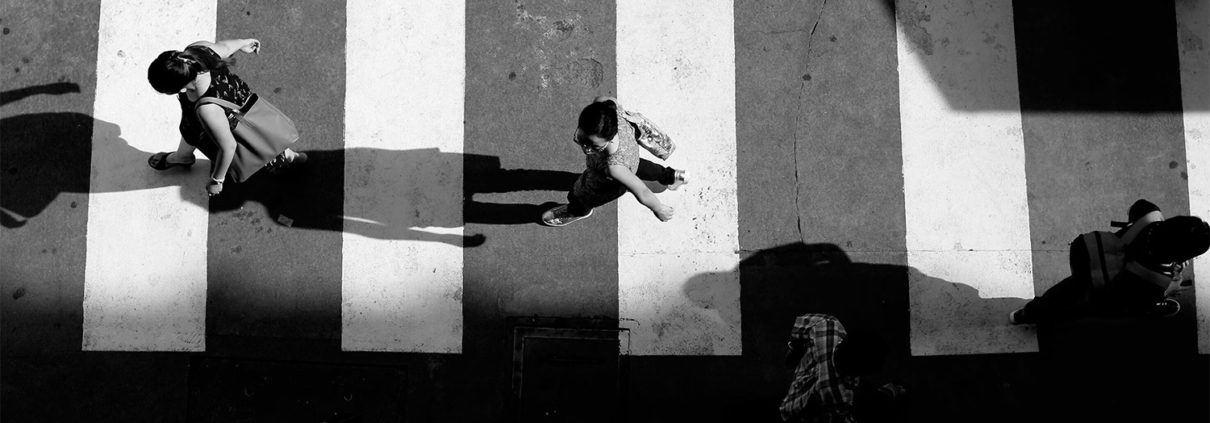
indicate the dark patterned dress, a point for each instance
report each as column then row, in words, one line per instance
column 595, row 187
column 223, row 85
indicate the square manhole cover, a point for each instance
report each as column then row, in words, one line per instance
column 569, row 375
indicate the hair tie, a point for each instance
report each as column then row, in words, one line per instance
column 176, row 55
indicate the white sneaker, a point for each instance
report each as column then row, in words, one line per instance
column 681, row 179
column 1012, row 317
column 559, row 216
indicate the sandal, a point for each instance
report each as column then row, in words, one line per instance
column 159, row 161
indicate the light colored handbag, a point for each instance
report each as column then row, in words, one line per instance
column 650, row 136
column 261, row 134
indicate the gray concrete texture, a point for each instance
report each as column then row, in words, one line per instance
column 821, row 214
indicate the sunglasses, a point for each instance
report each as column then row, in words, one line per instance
column 588, row 147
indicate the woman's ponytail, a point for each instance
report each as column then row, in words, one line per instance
column 600, row 118
column 173, row 69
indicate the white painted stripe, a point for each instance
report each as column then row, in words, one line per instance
column 145, row 275
column 678, row 281
column 1193, row 45
column 403, row 177
column 964, row 177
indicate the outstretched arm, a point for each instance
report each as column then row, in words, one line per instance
column 226, row 48
column 640, row 191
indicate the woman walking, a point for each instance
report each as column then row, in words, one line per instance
column 613, row 166
column 201, row 71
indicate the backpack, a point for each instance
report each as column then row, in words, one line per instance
column 1107, row 254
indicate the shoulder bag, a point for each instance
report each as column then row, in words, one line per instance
column 262, row 132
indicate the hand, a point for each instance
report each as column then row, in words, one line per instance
column 213, row 188
column 892, row 390
column 253, row 46
column 1176, row 288
column 664, row 213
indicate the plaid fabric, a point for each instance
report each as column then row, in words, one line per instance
column 818, row 393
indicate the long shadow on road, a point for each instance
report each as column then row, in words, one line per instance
column 777, row 284
column 407, row 210
column 1086, row 368
column 48, row 154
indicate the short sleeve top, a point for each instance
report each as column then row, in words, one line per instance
column 595, row 187
column 627, row 153
column 223, row 85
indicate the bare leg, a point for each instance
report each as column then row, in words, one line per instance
column 183, row 154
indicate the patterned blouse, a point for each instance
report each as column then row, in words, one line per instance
column 595, row 187
column 224, row 85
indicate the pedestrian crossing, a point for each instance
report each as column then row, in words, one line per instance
column 1193, row 24
column 682, row 76
column 145, row 272
column 982, row 174
column 964, row 174
column 403, row 294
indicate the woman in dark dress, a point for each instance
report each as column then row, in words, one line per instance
column 201, row 71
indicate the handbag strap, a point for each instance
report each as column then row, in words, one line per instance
column 235, row 108
column 206, row 100
column 224, row 103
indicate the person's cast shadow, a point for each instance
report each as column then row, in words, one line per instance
column 395, row 194
column 790, row 280
column 1068, row 376
column 47, row 154
column 780, row 283
column 56, row 88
